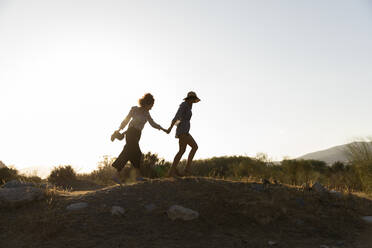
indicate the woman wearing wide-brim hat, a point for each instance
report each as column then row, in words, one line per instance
column 182, row 120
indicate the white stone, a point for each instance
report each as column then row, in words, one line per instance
column 367, row 219
column 13, row 197
column 77, row 206
column 272, row 243
column 116, row 210
column 179, row 212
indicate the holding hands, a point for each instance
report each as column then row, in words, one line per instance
column 174, row 122
column 166, row 130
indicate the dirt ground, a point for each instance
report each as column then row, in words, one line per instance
column 232, row 214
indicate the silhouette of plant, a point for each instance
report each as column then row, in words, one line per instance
column 63, row 176
column 7, row 174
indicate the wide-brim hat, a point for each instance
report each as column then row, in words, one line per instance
column 192, row 95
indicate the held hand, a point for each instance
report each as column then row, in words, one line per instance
column 118, row 135
column 113, row 135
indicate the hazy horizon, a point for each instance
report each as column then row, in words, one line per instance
column 280, row 77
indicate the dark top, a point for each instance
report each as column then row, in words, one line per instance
column 183, row 116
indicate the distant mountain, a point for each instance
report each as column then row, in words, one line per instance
column 332, row 154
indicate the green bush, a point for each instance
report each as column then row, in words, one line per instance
column 7, row 174
column 360, row 160
column 63, row 176
column 221, row 166
column 154, row 167
column 299, row 172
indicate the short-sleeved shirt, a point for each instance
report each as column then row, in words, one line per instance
column 183, row 115
column 138, row 118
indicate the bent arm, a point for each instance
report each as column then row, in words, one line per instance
column 125, row 122
column 180, row 112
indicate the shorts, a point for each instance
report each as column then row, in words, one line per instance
column 182, row 129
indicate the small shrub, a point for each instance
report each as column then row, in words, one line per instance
column 154, row 167
column 7, row 174
column 360, row 159
column 63, row 176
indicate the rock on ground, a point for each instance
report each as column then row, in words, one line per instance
column 17, row 184
column 367, row 219
column 272, row 243
column 77, row 206
column 14, row 197
column 116, row 210
column 179, row 212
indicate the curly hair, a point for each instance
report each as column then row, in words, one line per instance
column 147, row 99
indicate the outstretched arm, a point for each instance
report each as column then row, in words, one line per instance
column 154, row 124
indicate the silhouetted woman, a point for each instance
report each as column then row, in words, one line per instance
column 182, row 120
column 138, row 116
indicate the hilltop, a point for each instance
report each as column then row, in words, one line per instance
column 232, row 214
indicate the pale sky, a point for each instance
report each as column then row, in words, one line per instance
column 280, row 77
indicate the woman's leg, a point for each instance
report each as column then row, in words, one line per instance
column 121, row 160
column 194, row 147
column 130, row 153
column 137, row 161
column 182, row 141
column 119, row 164
column 135, row 153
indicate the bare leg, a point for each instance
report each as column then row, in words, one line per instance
column 116, row 177
column 194, row 147
column 119, row 164
column 177, row 158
